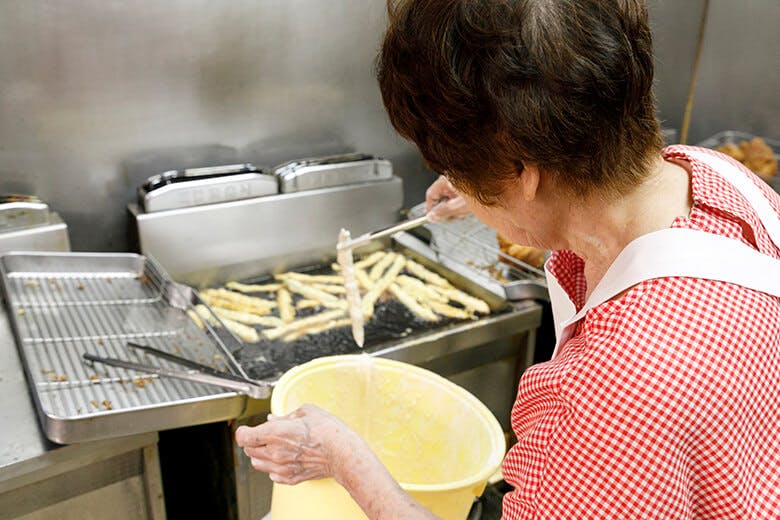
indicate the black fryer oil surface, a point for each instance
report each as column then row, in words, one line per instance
column 269, row 359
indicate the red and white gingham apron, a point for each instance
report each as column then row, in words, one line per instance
column 663, row 403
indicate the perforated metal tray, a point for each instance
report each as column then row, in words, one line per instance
column 63, row 305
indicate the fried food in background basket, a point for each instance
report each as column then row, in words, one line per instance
column 530, row 255
column 754, row 154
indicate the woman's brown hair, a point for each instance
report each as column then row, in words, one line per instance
column 484, row 86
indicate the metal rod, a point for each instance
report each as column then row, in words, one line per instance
column 254, row 390
column 368, row 237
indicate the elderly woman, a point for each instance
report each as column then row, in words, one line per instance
column 663, row 397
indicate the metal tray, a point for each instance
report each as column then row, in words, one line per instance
column 63, row 305
column 469, row 247
column 734, row 137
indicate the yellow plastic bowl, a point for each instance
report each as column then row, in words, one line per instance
column 438, row 441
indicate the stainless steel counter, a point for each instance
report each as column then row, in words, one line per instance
column 40, row 479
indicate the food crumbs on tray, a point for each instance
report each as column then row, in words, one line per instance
column 144, row 279
column 94, row 378
column 54, row 377
column 63, row 378
column 217, row 357
column 142, row 382
column 32, row 283
column 20, row 312
column 80, row 286
column 94, row 403
column 107, row 404
column 99, row 342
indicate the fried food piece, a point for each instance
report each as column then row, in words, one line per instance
column 307, row 304
column 755, row 155
column 333, row 324
column 331, row 289
column 311, row 278
column 370, row 260
column 426, row 275
column 529, row 255
column 362, row 278
column 411, row 303
column 469, row 302
column 303, row 323
column 381, row 285
column 344, row 257
column 380, row 267
column 194, row 317
column 311, row 293
column 286, row 309
column 247, row 301
column 215, row 302
column 419, row 289
column 253, row 288
column 449, row 311
column 248, row 318
column 205, row 314
column 244, row 332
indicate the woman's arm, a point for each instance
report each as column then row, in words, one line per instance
column 311, row 444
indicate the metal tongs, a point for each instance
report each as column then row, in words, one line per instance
column 199, row 373
column 368, row 237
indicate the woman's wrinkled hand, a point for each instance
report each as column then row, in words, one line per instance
column 443, row 202
column 304, row 445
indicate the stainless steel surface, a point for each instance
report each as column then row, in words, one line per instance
column 97, row 96
column 209, row 190
column 374, row 235
column 63, row 305
column 469, row 247
column 336, row 170
column 20, row 214
column 246, row 387
column 52, row 236
column 208, row 245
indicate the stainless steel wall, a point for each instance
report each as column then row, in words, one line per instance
column 97, row 94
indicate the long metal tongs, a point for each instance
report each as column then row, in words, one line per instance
column 368, row 237
column 199, row 373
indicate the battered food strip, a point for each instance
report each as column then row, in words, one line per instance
column 244, row 332
column 248, row 301
column 307, row 304
column 379, row 268
column 330, row 289
column 370, row 260
column 333, row 324
column 303, row 323
column 311, row 293
column 215, row 301
column 426, row 275
column 252, row 288
column 311, row 278
column 469, row 302
column 419, row 310
column 286, row 309
column 419, row 289
column 248, row 318
column 194, row 317
column 362, row 278
column 344, row 257
column 205, row 314
column 370, row 298
column 448, row 311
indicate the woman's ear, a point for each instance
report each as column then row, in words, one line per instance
column 528, row 182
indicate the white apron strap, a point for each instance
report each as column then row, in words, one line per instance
column 687, row 253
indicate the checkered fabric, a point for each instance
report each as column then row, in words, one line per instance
column 665, row 403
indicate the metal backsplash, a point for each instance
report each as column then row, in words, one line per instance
column 95, row 95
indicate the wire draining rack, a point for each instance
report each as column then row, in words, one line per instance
column 468, row 244
column 62, row 305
